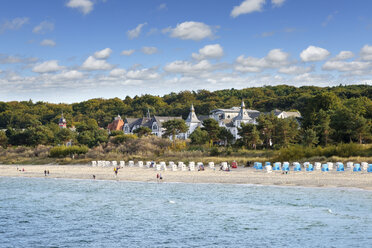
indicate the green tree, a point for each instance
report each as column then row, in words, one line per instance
column 211, row 126
column 225, row 136
column 142, row 131
column 310, row 138
column 64, row 135
column 361, row 129
column 199, row 137
column 250, row 136
column 3, row 139
column 174, row 127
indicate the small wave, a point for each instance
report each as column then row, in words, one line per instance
column 172, row 202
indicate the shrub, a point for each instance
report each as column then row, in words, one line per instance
column 64, row 151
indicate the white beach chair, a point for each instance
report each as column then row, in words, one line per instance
column 350, row 165
column 171, row 163
column 107, row 163
column 211, row 165
column 318, row 166
column 99, row 163
column 140, row 164
column 224, row 166
column 330, row 165
column 122, row 163
column 174, row 167
column 94, row 163
column 114, row 163
column 191, row 166
column 269, row 168
column 158, row 167
column 148, row 164
column 183, row 167
column 131, row 163
column 364, row 166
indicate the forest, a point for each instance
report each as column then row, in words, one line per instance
column 330, row 116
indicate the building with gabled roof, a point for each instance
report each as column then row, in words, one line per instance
column 116, row 125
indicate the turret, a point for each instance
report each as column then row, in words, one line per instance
column 62, row 122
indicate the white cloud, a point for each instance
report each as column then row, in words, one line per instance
column 127, row 52
column 92, row 64
column 68, row 75
column 103, row 54
column 85, row 6
column 14, row 24
column 47, row 66
column 10, row 59
column 134, row 33
column 313, row 53
column 190, row 31
column 366, row 52
column 344, row 66
column 149, row 50
column 50, row 43
column 43, row 27
column 186, row 67
column 208, row 52
column 277, row 3
column 117, row 72
column 247, row 6
column 343, row 55
column 274, row 59
column 329, row 18
column 142, row 74
column 295, row 69
column 162, row 6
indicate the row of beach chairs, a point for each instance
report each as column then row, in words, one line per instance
column 159, row 166
column 307, row 166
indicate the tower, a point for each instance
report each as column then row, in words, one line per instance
column 62, row 122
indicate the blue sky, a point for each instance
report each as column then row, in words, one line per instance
column 73, row 50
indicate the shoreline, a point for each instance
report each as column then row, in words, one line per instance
column 247, row 176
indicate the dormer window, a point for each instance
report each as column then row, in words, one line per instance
column 126, row 129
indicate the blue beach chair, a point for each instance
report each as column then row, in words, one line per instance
column 297, row 167
column 285, row 167
column 310, row 167
column 259, row 166
column 369, row 168
column 357, row 167
column 325, row 167
column 277, row 166
column 340, row 167
column 267, row 163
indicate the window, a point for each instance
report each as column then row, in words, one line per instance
column 126, row 129
column 154, row 127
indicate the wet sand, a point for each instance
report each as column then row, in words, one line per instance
column 347, row 179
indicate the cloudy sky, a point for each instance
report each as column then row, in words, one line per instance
column 73, row 50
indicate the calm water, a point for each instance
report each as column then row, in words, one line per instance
column 83, row 213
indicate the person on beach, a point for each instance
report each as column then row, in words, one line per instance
column 157, row 177
column 116, row 171
column 160, row 177
column 94, row 176
column 48, row 172
column 45, row 172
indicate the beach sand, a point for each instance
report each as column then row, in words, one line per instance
column 347, row 179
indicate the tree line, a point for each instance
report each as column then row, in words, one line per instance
column 330, row 115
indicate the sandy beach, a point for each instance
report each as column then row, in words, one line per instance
column 345, row 179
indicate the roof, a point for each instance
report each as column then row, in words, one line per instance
column 116, row 125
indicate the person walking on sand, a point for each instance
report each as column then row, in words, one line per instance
column 48, row 172
column 157, row 177
column 45, row 172
column 94, row 176
column 116, row 171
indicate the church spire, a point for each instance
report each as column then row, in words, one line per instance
column 192, row 116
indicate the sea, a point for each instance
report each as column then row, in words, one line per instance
column 46, row 212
